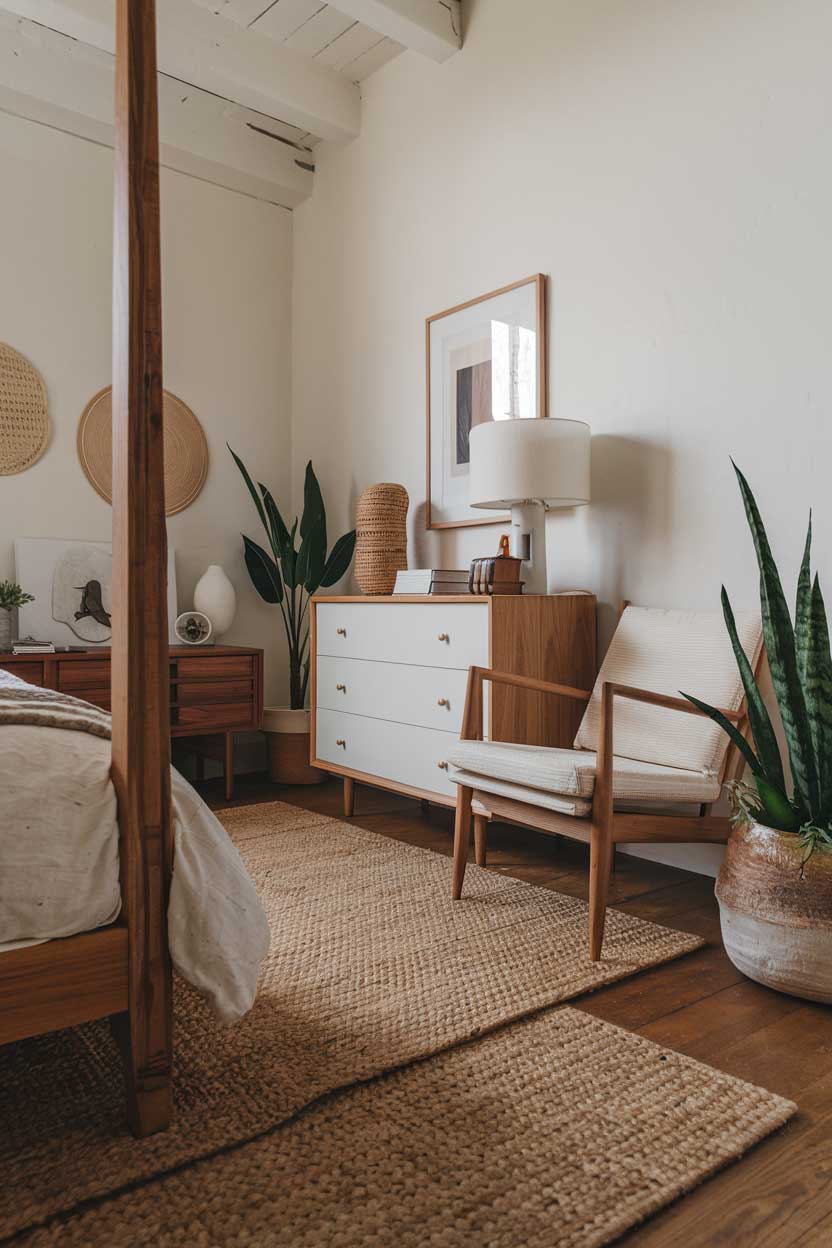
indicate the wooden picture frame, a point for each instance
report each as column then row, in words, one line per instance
column 537, row 282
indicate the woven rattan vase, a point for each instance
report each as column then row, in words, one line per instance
column 381, row 537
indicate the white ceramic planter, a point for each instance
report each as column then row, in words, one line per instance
column 215, row 597
column 777, row 924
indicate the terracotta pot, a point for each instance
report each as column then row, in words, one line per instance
column 777, row 926
column 287, row 736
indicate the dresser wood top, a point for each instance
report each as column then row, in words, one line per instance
column 474, row 599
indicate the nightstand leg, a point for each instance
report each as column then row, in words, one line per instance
column 424, row 806
column 349, row 796
column 229, row 766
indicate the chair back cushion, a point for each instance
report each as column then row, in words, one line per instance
column 671, row 652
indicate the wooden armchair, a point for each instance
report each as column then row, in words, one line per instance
column 633, row 747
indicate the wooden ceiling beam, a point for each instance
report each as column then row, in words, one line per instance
column 68, row 85
column 432, row 27
column 198, row 46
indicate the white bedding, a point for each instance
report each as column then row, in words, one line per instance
column 59, row 864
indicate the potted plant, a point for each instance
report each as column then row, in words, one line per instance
column 295, row 566
column 11, row 595
column 775, row 884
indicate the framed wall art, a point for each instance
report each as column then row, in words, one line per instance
column 485, row 360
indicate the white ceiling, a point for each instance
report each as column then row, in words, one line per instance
column 247, row 87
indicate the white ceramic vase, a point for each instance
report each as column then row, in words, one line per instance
column 214, row 596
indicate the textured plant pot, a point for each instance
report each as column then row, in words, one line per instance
column 5, row 631
column 777, row 926
column 381, row 537
column 215, row 597
column 287, row 736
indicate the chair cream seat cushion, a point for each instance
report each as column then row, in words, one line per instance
column 571, row 773
column 671, row 652
column 577, row 806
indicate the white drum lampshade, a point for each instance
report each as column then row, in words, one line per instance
column 529, row 466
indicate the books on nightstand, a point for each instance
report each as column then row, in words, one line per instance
column 28, row 645
column 432, row 581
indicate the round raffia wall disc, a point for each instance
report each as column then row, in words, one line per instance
column 24, row 416
column 186, row 451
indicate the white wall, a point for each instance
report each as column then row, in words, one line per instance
column 666, row 164
column 226, row 262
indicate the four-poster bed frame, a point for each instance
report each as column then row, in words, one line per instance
column 124, row 971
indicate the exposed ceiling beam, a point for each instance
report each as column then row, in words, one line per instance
column 432, row 27
column 68, row 85
column 207, row 49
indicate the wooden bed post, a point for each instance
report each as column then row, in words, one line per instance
column 140, row 658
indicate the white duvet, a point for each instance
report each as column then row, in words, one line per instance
column 59, row 864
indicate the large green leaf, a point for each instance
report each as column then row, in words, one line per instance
column 782, row 657
column 777, row 810
column 817, row 683
column 252, row 491
column 768, row 750
column 282, row 542
column 314, row 512
column 264, row 572
column 311, row 557
column 733, row 732
column 803, row 605
column 339, row 559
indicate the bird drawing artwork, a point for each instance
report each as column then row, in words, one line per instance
column 92, row 605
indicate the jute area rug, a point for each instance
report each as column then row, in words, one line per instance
column 560, row 1131
column 371, row 968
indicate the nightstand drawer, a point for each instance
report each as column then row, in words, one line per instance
column 432, row 697
column 32, row 673
column 74, row 675
column 214, row 666
column 402, row 752
column 433, row 634
column 231, row 715
column 210, row 693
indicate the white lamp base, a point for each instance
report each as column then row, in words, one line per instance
column 527, row 541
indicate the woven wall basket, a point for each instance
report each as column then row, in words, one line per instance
column 186, row 451
column 381, row 537
column 24, row 416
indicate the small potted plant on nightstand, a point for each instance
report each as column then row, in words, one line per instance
column 295, row 567
column 775, row 884
column 11, row 595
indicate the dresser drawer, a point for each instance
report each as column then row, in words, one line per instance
column 32, row 673
column 433, row 697
column 432, row 634
column 403, row 753
column 75, row 676
column 215, row 666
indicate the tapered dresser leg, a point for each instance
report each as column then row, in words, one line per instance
column 480, row 835
column 349, row 796
column 462, row 837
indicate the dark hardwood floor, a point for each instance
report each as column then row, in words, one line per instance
column 780, row 1194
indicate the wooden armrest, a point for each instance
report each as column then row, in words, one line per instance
column 663, row 699
column 531, row 682
column 472, row 717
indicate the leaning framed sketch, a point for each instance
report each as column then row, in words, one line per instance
column 485, row 360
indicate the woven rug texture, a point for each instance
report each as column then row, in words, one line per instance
column 560, row 1131
column 372, row 967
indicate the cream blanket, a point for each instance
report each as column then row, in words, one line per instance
column 59, row 850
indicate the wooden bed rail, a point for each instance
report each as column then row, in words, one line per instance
column 140, row 685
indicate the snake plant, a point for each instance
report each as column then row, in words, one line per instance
column 291, row 573
column 801, row 671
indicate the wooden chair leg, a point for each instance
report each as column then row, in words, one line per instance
column 349, row 796
column 462, row 837
column 600, row 861
column 480, row 835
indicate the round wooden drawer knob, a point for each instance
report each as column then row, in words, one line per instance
column 442, row 766
column 341, row 688
column 340, row 741
column 342, row 632
column 442, row 702
column 443, row 637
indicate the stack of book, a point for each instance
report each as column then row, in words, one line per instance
column 28, row 645
column 432, row 581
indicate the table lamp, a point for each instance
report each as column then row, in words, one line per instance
column 529, row 466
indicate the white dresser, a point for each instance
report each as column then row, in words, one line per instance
column 389, row 676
